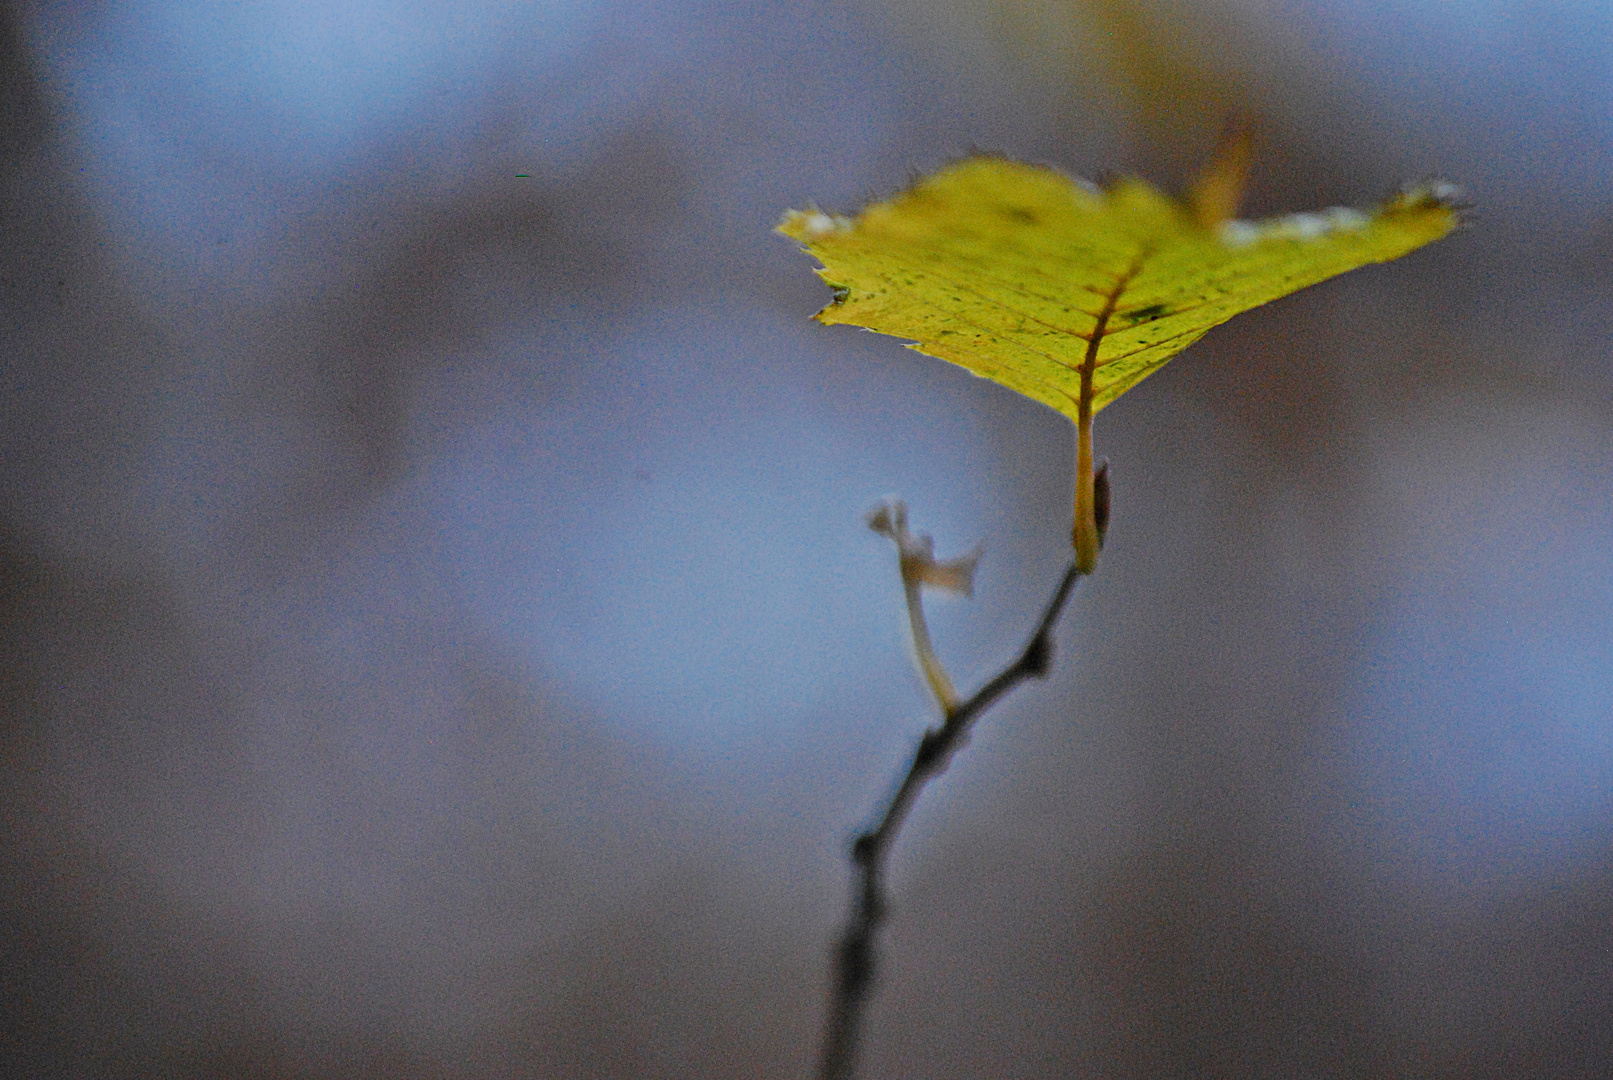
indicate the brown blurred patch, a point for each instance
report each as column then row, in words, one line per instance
column 537, row 248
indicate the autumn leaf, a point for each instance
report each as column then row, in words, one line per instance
column 1072, row 294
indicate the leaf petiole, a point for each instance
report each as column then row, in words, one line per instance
column 1085, row 535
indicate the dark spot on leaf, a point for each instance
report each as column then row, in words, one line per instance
column 842, row 293
column 1147, row 314
column 1020, row 214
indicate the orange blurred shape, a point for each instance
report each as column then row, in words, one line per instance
column 1218, row 189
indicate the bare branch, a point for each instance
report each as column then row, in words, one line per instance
column 854, row 954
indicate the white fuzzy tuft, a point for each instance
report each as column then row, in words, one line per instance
column 817, row 224
column 1309, row 226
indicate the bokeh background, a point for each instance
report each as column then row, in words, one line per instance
column 440, row 638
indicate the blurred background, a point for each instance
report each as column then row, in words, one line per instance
column 438, row 635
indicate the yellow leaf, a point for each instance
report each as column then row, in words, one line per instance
column 1027, row 277
column 1070, row 294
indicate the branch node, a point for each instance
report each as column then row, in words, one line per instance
column 1038, row 658
column 863, row 849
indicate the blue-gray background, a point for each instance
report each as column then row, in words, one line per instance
column 440, row 639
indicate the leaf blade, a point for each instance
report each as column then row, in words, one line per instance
column 1009, row 270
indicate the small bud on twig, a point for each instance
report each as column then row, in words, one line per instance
column 917, row 552
column 920, row 567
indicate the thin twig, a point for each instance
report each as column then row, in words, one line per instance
column 854, row 955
